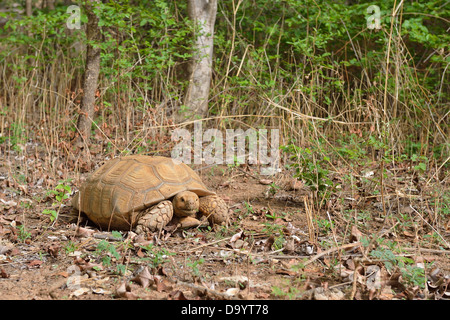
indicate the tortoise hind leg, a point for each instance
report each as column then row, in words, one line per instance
column 155, row 218
column 214, row 208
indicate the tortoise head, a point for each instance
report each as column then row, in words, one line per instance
column 185, row 203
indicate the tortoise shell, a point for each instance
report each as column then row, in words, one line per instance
column 116, row 194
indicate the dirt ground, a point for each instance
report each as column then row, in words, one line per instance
column 277, row 244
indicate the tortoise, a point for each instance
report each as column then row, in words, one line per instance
column 143, row 193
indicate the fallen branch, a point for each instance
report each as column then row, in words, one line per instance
column 205, row 245
column 319, row 255
column 426, row 250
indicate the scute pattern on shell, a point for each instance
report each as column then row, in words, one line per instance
column 115, row 195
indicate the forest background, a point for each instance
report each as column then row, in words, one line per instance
column 344, row 92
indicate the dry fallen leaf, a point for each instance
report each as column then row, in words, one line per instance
column 408, row 234
column 295, row 185
column 144, row 278
column 35, row 263
column 3, row 273
column 79, row 292
column 269, row 243
column 5, row 249
column 53, row 250
column 64, row 274
column 289, row 246
column 177, row 295
column 124, row 291
column 162, row 284
column 355, row 234
column 386, row 293
column 101, row 291
column 87, row 265
column 84, row 232
column 236, row 236
column 373, row 277
column 231, row 292
column 8, row 204
column 238, row 244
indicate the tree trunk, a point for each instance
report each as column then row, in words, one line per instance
column 92, row 71
column 203, row 14
column 29, row 8
column 50, row 4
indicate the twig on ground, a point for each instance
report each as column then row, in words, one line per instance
column 319, row 255
column 443, row 240
column 205, row 245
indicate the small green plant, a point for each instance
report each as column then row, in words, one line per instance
column 324, row 225
column 236, row 163
column 70, row 247
column 273, row 189
column 246, row 211
column 360, row 217
column 156, row 256
column 404, row 220
column 106, row 250
column 351, row 149
column 25, row 204
column 249, row 208
column 289, row 292
column 311, row 167
column 421, row 161
column 17, row 138
column 412, row 274
column 276, row 231
column 386, row 254
column 61, row 193
column 23, row 234
column 194, row 266
column 275, row 216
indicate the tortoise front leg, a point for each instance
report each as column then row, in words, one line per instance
column 155, row 218
column 214, row 208
column 191, row 222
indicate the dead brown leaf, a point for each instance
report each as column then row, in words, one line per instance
column 87, row 265
column 5, row 249
column 84, row 232
column 269, row 243
column 408, row 234
column 144, row 278
column 295, row 185
column 286, row 272
column 162, row 285
column 53, row 250
column 35, row 263
column 64, row 274
column 140, row 253
column 177, row 295
column 3, row 273
column 124, row 291
column 236, row 236
column 355, row 234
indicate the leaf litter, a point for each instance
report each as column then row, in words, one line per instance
column 268, row 250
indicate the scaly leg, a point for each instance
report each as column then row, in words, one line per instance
column 155, row 218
